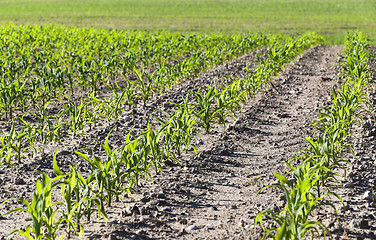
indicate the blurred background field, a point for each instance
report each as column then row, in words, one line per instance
column 331, row 18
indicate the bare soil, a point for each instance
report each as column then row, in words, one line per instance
column 213, row 194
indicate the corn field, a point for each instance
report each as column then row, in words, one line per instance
column 58, row 83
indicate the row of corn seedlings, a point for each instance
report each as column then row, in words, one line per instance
column 118, row 172
column 121, row 168
column 39, row 64
column 215, row 103
column 325, row 153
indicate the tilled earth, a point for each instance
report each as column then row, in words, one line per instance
column 213, row 194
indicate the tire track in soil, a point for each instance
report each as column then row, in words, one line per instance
column 210, row 191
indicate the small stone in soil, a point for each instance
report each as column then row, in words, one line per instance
column 161, row 195
column 241, row 223
column 63, row 153
column 183, row 221
column 192, row 227
column 19, row 181
column 233, row 206
column 140, row 232
column 161, row 203
column 368, row 196
column 135, row 210
column 359, row 223
column 209, row 226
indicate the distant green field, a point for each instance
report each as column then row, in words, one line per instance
column 331, row 18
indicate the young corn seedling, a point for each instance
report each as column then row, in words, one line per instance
column 100, row 173
column 108, row 176
column 177, row 130
column 131, row 155
column 12, row 145
column 78, row 114
column 113, row 105
column 71, row 207
column 302, row 200
column 227, row 104
column 8, row 98
column 206, row 109
column 77, row 193
column 31, row 135
column 146, row 88
column 48, row 128
column 94, row 114
column 152, row 150
column 130, row 94
column 42, row 211
column 114, row 182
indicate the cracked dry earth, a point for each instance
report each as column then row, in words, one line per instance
column 213, row 194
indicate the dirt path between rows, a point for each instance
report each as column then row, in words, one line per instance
column 209, row 196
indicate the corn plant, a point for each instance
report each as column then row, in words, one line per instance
column 71, row 207
column 78, row 114
column 152, row 150
column 113, row 105
column 42, row 211
column 12, row 145
column 129, row 94
column 31, row 135
column 146, row 87
column 93, row 114
column 100, row 174
column 115, row 182
column 302, row 200
column 109, row 178
column 9, row 96
column 131, row 157
column 178, row 130
column 205, row 109
column 227, row 103
column 77, row 193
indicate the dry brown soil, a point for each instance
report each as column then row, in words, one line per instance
column 213, row 194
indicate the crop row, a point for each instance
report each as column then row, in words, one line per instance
column 40, row 64
column 213, row 104
column 305, row 193
column 121, row 168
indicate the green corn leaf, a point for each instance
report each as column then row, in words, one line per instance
column 84, row 157
column 282, row 178
column 56, row 168
column 281, row 234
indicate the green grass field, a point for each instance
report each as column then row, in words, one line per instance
column 331, row 18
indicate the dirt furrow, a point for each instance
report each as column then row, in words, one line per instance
column 213, row 194
column 269, row 130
